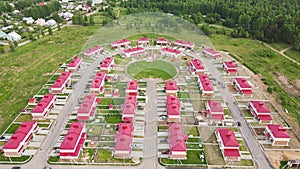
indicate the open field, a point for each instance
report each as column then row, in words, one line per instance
column 270, row 65
column 24, row 72
column 293, row 54
column 279, row 46
column 154, row 69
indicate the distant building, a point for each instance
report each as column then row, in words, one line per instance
column 128, row 109
column 132, row 87
column 177, row 141
column 143, row 42
column 230, row 68
column 120, row 43
column 51, row 23
column 13, row 36
column 87, row 108
column 74, row 65
column 3, row 35
column 259, row 110
column 162, row 41
column 40, row 22
column 205, row 85
column 73, row 141
column 277, row 135
column 94, row 51
column 29, row 20
column 184, row 44
column 43, row 107
column 196, row 67
column 171, row 88
column 173, row 109
column 171, row 52
column 133, row 51
column 123, row 140
column 243, row 87
column 228, row 144
column 61, row 83
column 19, row 140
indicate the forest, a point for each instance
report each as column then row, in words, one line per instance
column 266, row 20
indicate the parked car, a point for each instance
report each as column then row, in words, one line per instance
column 239, row 124
column 16, row 167
column 47, row 167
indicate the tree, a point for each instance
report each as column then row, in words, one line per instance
column 50, row 31
column 11, row 47
column 31, row 37
column 2, row 50
column 92, row 22
column 58, row 27
column 15, row 43
column 85, row 18
column 89, row 2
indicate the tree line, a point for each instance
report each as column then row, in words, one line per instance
column 266, row 20
column 42, row 11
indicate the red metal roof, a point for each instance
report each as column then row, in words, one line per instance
column 259, row 106
column 133, row 50
column 184, row 43
column 93, row 49
column 19, row 136
column 170, row 50
column 177, row 138
column 43, row 104
column 86, row 106
column 75, row 62
column 217, row 117
column 232, row 153
column 123, row 142
column 98, row 79
column 211, row 51
column 243, row 83
column 73, row 136
column 171, row 85
column 162, row 40
column 62, row 80
column 107, row 62
column 130, row 99
column 278, row 131
column 173, row 100
column 227, row 137
column 121, row 42
column 173, row 109
column 230, row 65
column 265, row 117
column 197, row 64
column 125, row 128
column 143, row 40
column 132, row 85
column 205, row 82
column 128, row 108
column 214, row 106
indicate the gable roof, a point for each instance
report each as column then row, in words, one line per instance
column 197, row 64
column 228, row 138
column 61, row 80
column 125, row 128
column 205, row 82
column 107, row 62
column 278, row 131
column 260, row 106
column 214, row 106
column 98, row 79
column 75, row 62
column 243, row 83
column 74, row 134
column 177, row 138
column 171, row 85
column 43, row 104
column 132, row 85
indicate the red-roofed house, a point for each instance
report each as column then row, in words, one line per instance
column 125, row 128
column 63, row 81
column 74, row 65
column 94, row 51
column 173, row 109
column 97, row 86
column 87, row 108
column 214, row 111
column 107, row 65
column 184, row 44
column 243, row 86
column 210, row 52
column 177, row 141
column 18, row 141
column 133, row 51
column 128, row 108
column 120, row 43
column 228, row 144
column 205, row 85
column 122, row 146
column 196, row 67
column 32, row 101
column 132, row 87
column 43, row 107
column 171, row 88
column 162, row 41
column 230, row 68
column 143, row 41
column 73, row 141
column 277, row 135
column 260, row 111
column 171, row 52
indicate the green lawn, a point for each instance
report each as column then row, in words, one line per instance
column 13, row 128
column 113, row 119
column 154, row 69
column 15, row 159
column 279, row 46
column 293, row 54
column 192, row 158
column 24, row 72
column 262, row 60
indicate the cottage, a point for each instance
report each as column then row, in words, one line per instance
column 177, row 141
column 97, row 86
column 73, row 141
column 162, row 41
column 133, row 51
column 211, row 53
column 205, row 85
column 43, row 107
column 228, row 144
column 214, row 111
column 132, row 87
column 87, row 108
column 107, row 65
column 184, row 44
column 51, row 23
column 143, row 42
column 61, row 83
column 94, row 51
column 40, row 22
column 171, row 52
column 123, row 140
column 74, row 65
column 171, row 88
column 120, row 43
column 18, row 141
column 260, row 111
column 13, row 36
column 243, row 86
column 28, row 20
column 277, row 135
column 128, row 108
column 173, row 109
column 230, row 68
column 196, row 67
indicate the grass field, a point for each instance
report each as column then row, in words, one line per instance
column 293, row 54
column 279, row 46
column 192, row 158
column 24, row 72
column 264, row 61
column 154, row 69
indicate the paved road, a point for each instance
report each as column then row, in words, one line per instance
column 253, row 145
